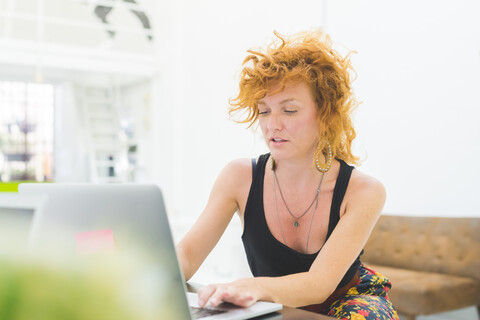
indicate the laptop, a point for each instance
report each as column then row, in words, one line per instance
column 84, row 218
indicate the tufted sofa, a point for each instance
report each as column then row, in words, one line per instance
column 433, row 263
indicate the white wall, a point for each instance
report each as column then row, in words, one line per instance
column 418, row 69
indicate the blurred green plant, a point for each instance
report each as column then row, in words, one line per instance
column 40, row 292
column 31, row 289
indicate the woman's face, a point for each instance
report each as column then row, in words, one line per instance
column 288, row 120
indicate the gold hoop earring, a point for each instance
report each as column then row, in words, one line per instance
column 273, row 165
column 329, row 159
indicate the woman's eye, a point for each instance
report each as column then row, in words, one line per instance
column 290, row 111
column 262, row 112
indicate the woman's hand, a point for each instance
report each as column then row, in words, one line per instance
column 243, row 293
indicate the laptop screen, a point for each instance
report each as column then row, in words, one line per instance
column 16, row 216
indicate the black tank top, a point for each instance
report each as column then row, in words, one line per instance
column 268, row 257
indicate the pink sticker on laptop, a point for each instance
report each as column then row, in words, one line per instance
column 98, row 241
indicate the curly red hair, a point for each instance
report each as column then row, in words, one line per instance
column 307, row 57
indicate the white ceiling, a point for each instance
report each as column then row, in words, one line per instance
column 74, row 23
column 67, row 34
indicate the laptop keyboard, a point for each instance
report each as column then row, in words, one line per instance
column 198, row 313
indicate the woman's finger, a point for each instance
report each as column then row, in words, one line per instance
column 221, row 294
column 205, row 293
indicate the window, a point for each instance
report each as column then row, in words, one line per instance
column 26, row 131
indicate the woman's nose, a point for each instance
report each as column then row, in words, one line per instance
column 274, row 122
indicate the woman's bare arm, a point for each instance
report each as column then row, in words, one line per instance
column 222, row 204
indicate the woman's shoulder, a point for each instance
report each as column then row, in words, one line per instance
column 236, row 178
column 364, row 194
column 239, row 166
column 238, row 171
column 363, row 185
column 243, row 166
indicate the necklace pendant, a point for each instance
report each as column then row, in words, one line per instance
column 296, row 224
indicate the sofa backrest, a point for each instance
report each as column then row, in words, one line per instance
column 443, row 245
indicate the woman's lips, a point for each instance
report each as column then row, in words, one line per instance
column 278, row 140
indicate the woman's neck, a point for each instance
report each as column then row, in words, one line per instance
column 297, row 170
column 303, row 172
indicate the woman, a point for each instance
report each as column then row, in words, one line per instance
column 306, row 213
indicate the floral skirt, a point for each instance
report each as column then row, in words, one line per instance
column 368, row 300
